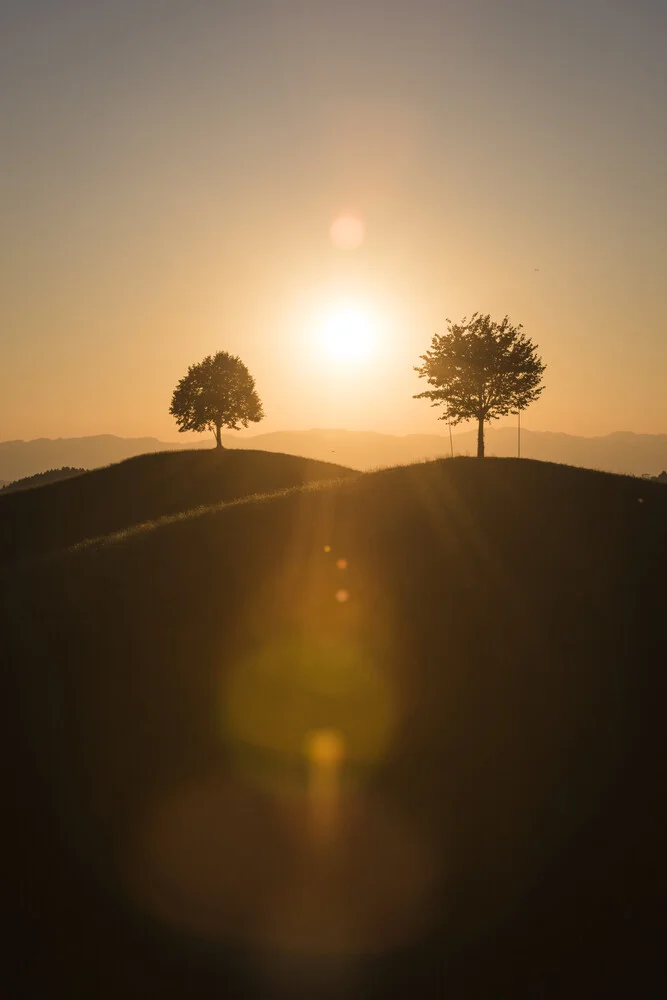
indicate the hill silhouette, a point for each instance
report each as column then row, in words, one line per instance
column 626, row 453
column 485, row 637
column 620, row 452
column 40, row 479
column 142, row 489
column 19, row 459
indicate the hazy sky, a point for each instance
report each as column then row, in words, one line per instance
column 171, row 168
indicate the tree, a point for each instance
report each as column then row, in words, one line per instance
column 218, row 392
column 481, row 370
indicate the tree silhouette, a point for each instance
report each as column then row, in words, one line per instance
column 218, row 392
column 481, row 370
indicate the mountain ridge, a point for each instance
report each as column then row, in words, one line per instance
column 623, row 452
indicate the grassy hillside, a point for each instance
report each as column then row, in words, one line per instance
column 485, row 637
column 142, row 489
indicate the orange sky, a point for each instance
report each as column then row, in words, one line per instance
column 173, row 171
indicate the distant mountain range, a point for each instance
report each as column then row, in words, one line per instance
column 623, row 452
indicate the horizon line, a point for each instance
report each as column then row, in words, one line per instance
column 335, row 430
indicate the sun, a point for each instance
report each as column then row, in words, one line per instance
column 347, row 333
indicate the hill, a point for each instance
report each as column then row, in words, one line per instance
column 40, row 479
column 486, row 640
column 631, row 454
column 19, row 459
column 621, row 452
column 142, row 489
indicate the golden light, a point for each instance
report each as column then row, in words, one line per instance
column 291, row 862
column 325, row 748
column 347, row 232
column 347, row 333
column 307, row 692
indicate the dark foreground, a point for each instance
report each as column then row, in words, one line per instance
column 490, row 655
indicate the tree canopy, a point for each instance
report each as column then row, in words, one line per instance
column 218, row 392
column 481, row 370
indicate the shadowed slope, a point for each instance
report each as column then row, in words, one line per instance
column 484, row 635
column 142, row 489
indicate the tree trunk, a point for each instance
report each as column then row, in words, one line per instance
column 480, row 438
column 218, row 439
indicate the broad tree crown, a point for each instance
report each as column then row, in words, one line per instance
column 481, row 370
column 218, row 392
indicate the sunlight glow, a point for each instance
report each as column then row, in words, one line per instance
column 347, row 334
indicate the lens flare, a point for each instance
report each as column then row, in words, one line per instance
column 325, row 749
column 306, row 693
column 347, row 232
column 318, row 880
column 287, row 849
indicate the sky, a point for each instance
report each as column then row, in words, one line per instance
column 171, row 170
